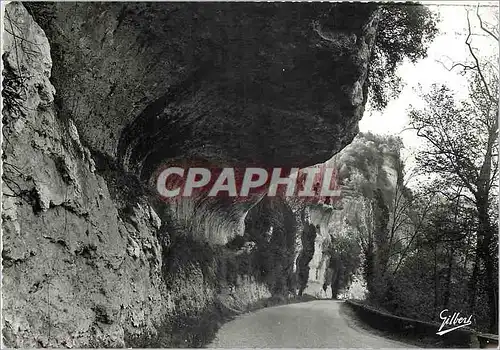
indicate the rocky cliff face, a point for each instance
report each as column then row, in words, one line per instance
column 91, row 256
column 368, row 164
column 151, row 84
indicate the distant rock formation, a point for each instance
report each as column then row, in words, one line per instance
column 368, row 164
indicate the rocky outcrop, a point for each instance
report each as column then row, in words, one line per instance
column 86, row 260
column 149, row 82
column 65, row 246
column 369, row 165
column 305, row 256
column 153, row 84
column 98, row 97
column 272, row 225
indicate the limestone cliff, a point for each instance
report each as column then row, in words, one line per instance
column 85, row 254
column 149, row 84
column 98, row 96
column 369, row 164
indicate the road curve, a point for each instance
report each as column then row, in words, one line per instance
column 314, row 324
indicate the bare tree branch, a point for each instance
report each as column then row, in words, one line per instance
column 476, row 60
column 481, row 24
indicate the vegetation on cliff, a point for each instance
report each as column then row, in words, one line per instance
column 405, row 32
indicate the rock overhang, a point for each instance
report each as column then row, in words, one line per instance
column 249, row 84
column 233, row 84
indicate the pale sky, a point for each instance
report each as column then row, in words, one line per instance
column 448, row 46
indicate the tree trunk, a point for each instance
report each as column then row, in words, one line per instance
column 492, row 291
column 335, row 283
column 369, row 271
column 435, row 282
column 486, row 238
column 447, row 291
column 473, row 283
column 486, row 233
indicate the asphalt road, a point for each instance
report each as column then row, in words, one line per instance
column 314, row 324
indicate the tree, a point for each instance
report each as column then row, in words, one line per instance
column 462, row 149
column 433, row 275
column 369, row 199
column 404, row 31
column 344, row 259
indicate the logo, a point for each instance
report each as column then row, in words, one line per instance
column 454, row 321
column 317, row 183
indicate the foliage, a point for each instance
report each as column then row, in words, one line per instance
column 435, row 273
column 404, row 31
column 308, row 238
column 461, row 138
column 457, row 138
column 344, row 253
column 451, row 260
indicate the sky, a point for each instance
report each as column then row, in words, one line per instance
column 448, row 46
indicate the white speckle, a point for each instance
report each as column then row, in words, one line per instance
column 357, row 94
